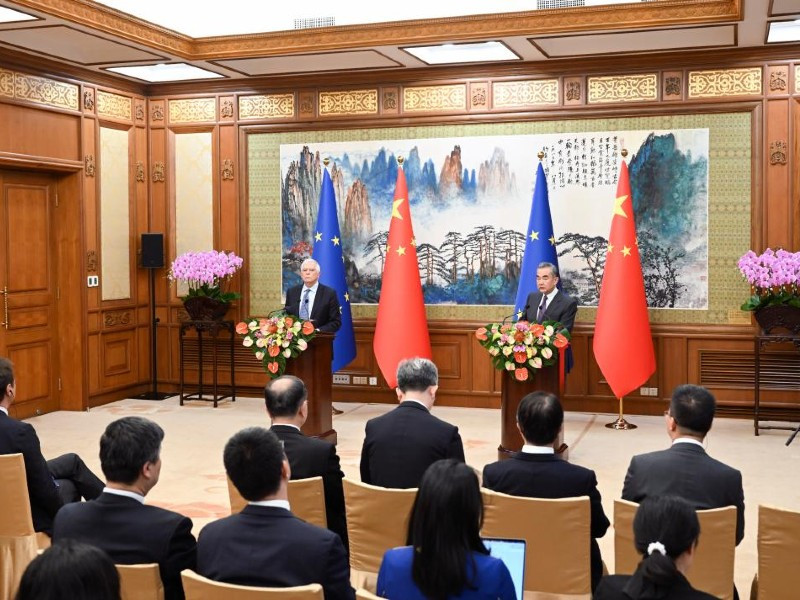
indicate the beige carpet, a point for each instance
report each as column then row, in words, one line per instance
column 193, row 477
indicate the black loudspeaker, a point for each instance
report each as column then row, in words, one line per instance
column 152, row 250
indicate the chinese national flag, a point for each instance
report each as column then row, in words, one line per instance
column 623, row 346
column 401, row 330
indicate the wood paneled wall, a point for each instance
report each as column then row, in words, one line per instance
column 114, row 342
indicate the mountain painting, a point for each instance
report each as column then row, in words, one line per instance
column 470, row 200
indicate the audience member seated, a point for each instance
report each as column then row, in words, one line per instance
column 119, row 521
column 536, row 471
column 287, row 405
column 685, row 470
column 265, row 544
column 400, row 445
column 51, row 483
column 70, row 571
column 665, row 531
column 445, row 557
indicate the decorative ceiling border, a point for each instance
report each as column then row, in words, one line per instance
column 266, row 106
column 193, row 110
column 348, row 103
column 40, row 90
column 519, row 94
column 114, row 105
column 623, row 88
column 716, row 83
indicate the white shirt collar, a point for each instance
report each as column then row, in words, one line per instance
column 531, row 449
column 286, row 425
column 420, row 402
column 126, row 493
column 273, row 503
column 551, row 295
column 686, row 440
column 313, row 288
column 4, row 409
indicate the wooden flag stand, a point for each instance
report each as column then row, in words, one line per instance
column 621, row 423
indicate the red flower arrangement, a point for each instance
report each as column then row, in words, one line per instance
column 523, row 347
column 275, row 340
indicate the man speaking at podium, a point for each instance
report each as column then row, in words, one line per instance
column 314, row 301
column 549, row 303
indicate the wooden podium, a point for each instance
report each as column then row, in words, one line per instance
column 547, row 379
column 314, row 367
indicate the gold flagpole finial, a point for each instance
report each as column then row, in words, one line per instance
column 624, row 152
column 541, row 155
column 326, row 161
column 400, row 160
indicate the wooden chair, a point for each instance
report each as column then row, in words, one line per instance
column 778, row 577
column 197, row 587
column 140, row 582
column 377, row 520
column 557, row 534
column 712, row 568
column 18, row 545
column 306, row 497
column 362, row 594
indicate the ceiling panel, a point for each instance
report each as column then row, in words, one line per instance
column 304, row 63
column 784, row 7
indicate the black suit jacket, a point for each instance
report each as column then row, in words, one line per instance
column 269, row 546
column 133, row 533
column 326, row 312
column 400, row 445
column 685, row 470
column 547, row 476
column 312, row 457
column 611, row 587
column 18, row 437
column 562, row 309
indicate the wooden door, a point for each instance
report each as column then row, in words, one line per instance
column 28, row 284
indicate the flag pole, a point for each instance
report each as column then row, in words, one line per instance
column 621, row 423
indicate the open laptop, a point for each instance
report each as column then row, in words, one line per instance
column 512, row 553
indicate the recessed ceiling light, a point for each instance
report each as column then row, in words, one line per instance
column 784, row 31
column 462, row 53
column 8, row 15
column 166, row 72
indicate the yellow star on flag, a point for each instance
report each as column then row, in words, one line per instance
column 388, row 249
column 395, row 205
column 414, row 242
column 519, row 314
column 626, row 251
column 610, row 249
column 401, row 251
column 534, row 236
column 318, row 237
column 618, row 206
column 346, row 297
column 552, row 240
column 335, row 240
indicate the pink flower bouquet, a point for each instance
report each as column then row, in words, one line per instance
column 206, row 273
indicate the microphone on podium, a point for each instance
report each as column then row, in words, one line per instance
column 513, row 314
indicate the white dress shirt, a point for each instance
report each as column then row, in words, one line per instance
column 311, row 296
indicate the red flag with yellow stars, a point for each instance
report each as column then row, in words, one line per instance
column 401, row 330
column 623, row 346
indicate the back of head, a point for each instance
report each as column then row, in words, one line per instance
column 253, row 459
column 416, row 375
column 664, row 528
column 126, row 445
column 540, row 417
column 6, row 375
column 445, row 528
column 693, row 407
column 284, row 396
column 70, row 570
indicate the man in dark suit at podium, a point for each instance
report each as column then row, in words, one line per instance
column 287, row 404
column 400, row 445
column 314, row 301
column 536, row 471
column 549, row 303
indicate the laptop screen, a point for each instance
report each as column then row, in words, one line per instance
column 512, row 553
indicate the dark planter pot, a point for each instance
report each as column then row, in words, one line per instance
column 203, row 308
column 779, row 317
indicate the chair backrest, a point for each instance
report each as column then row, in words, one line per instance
column 712, row 567
column 197, row 587
column 778, row 549
column 306, row 497
column 362, row 594
column 140, row 582
column 377, row 520
column 15, row 518
column 557, row 534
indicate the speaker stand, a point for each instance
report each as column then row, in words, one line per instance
column 153, row 394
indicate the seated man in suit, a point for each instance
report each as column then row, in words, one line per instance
column 314, row 301
column 400, row 445
column 287, row 405
column 51, row 483
column 265, row 544
column 119, row 521
column 685, row 470
column 549, row 303
column 536, row 472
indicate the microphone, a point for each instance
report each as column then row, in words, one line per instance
column 275, row 312
column 513, row 314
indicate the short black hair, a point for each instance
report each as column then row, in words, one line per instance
column 548, row 265
column 6, row 375
column 70, row 570
column 127, row 445
column 285, row 395
column 540, row 417
column 253, row 459
column 693, row 407
column 416, row 374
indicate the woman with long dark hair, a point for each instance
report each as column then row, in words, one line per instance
column 445, row 557
column 665, row 532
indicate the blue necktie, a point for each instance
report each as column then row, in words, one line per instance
column 304, row 304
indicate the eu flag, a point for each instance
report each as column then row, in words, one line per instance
column 328, row 253
column 540, row 244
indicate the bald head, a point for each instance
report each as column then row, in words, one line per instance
column 285, row 396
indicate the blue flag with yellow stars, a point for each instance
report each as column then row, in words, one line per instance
column 328, row 253
column 540, row 244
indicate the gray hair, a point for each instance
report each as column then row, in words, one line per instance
column 310, row 261
column 547, row 265
column 416, row 374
